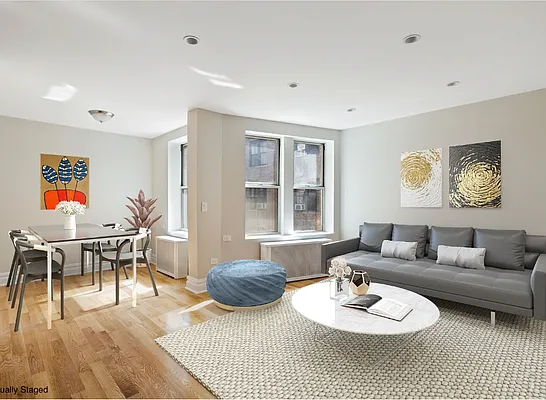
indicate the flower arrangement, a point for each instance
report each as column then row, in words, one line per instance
column 339, row 269
column 70, row 208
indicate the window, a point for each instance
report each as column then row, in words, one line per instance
column 184, row 187
column 308, row 186
column 262, row 185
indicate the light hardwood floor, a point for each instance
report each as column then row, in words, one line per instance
column 101, row 350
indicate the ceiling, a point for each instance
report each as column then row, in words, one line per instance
column 130, row 58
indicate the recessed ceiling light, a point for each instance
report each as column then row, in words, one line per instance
column 101, row 115
column 293, row 85
column 60, row 92
column 414, row 37
column 191, row 40
column 351, row 109
column 454, row 83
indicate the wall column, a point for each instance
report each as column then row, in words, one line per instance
column 204, row 191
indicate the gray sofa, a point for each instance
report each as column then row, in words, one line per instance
column 514, row 280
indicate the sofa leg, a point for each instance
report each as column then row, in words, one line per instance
column 492, row 318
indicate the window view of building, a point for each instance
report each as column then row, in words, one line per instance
column 184, row 187
column 262, row 185
column 308, row 186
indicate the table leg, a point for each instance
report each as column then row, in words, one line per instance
column 49, row 287
column 134, row 243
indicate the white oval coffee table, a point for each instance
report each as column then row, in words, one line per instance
column 314, row 303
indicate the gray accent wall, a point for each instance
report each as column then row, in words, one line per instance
column 370, row 164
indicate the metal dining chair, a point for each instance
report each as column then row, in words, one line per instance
column 31, row 255
column 122, row 257
column 32, row 270
column 93, row 248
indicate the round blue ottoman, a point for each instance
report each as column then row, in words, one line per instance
column 246, row 284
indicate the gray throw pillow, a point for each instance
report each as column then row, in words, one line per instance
column 505, row 249
column 448, row 236
column 372, row 236
column 412, row 233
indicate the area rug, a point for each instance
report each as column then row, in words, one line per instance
column 273, row 353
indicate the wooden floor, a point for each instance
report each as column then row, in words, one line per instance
column 101, row 350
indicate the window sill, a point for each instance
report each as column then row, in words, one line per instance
column 276, row 237
column 179, row 234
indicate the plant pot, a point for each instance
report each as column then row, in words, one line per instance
column 360, row 283
column 70, row 222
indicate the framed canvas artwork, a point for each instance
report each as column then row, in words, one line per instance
column 475, row 175
column 421, row 178
column 63, row 178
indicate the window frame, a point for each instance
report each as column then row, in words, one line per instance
column 183, row 188
column 262, row 185
column 320, row 188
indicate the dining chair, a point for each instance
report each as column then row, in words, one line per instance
column 93, row 248
column 123, row 256
column 32, row 270
column 31, row 255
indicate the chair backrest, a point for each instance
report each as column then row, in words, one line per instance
column 21, row 244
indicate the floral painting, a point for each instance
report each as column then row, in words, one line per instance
column 63, row 178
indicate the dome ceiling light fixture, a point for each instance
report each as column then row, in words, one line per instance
column 454, row 83
column 191, row 40
column 351, row 109
column 414, row 37
column 293, row 85
column 101, row 115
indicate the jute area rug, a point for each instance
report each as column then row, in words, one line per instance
column 273, row 353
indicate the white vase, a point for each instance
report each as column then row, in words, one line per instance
column 70, row 222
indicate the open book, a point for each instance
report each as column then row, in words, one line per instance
column 376, row 305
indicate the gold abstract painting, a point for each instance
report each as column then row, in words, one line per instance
column 421, row 178
column 63, row 178
column 475, row 175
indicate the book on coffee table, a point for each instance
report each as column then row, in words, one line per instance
column 376, row 305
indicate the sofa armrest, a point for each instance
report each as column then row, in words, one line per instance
column 538, row 287
column 333, row 249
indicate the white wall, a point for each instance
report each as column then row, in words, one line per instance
column 370, row 165
column 119, row 166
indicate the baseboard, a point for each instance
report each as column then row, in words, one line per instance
column 196, row 285
column 301, row 278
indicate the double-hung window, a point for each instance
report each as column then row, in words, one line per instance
column 262, row 185
column 308, row 186
column 184, row 187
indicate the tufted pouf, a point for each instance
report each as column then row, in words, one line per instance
column 246, row 284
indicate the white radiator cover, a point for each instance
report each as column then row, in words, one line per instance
column 172, row 256
column 301, row 258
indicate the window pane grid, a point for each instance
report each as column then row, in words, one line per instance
column 262, row 186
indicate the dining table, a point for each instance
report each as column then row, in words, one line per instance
column 56, row 235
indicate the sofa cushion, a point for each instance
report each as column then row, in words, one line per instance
column 372, row 236
column 464, row 257
column 492, row 284
column 403, row 250
column 505, row 249
column 447, row 236
column 412, row 233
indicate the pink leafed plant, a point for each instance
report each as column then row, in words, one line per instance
column 142, row 210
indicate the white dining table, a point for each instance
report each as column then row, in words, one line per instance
column 55, row 235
